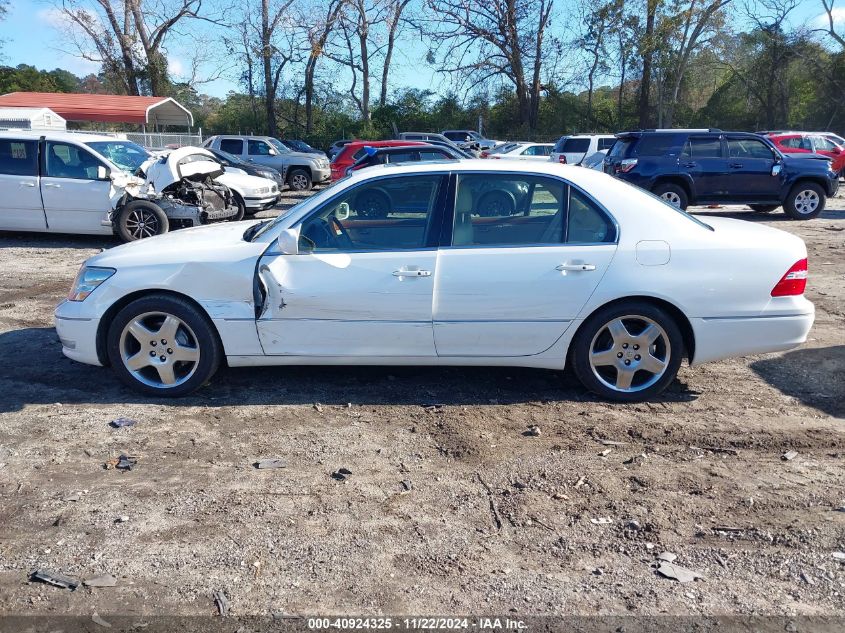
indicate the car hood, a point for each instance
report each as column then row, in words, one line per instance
column 798, row 156
column 302, row 155
column 236, row 180
column 220, row 242
column 165, row 169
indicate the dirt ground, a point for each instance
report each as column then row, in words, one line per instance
column 450, row 508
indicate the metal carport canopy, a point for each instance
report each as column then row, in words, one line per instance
column 154, row 111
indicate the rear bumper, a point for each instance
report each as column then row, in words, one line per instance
column 726, row 337
column 78, row 335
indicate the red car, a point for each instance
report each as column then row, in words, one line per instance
column 808, row 143
column 351, row 152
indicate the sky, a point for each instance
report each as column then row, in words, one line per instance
column 32, row 35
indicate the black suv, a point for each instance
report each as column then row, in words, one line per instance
column 710, row 166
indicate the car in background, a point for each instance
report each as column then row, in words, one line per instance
column 591, row 273
column 810, row 143
column 303, row 170
column 709, row 166
column 521, row 151
column 595, row 161
column 354, row 150
column 427, row 137
column 404, row 154
column 252, row 169
column 571, row 150
column 336, row 147
column 469, row 137
column 301, row 146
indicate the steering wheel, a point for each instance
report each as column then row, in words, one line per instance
column 339, row 233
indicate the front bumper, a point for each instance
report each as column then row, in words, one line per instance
column 264, row 202
column 321, row 175
column 726, row 337
column 77, row 333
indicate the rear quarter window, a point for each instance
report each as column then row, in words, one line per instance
column 656, row 144
column 575, row 145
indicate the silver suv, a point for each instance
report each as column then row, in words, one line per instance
column 303, row 170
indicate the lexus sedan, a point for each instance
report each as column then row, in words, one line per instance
column 580, row 269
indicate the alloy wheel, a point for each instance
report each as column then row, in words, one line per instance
column 672, row 198
column 630, row 353
column 159, row 350
column 299, row 182
column 141, row 223
column 806, row 202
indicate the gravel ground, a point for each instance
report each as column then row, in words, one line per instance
column 450, row 509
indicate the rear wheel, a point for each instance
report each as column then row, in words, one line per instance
column 236, row 198
column 628, row 352
column 162, row 345
column 805, row 201
column 372, row 203
column 138, row 219
column 673, row 194
column 763, row 208
column 299, row 180
column 496, row 204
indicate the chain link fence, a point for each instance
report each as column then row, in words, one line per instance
column 162, row 140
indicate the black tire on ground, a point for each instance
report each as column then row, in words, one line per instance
column 594, row 335
column 199, row 335
column 496, row 203
column 299, row 180
column 236, row 197
column 372, row 203
column 805, row 201
column 672, row 193
column 763, row 208
column 138, row 219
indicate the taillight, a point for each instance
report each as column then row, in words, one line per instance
column 561, row 159
column 626, row 165
column 793, row 282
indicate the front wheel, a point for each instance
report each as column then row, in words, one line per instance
column 161, row 345
column 673, row 194
column 138, row 219
column 763, row 208
column 299, row 180
column 805, row 201
column 628, row 352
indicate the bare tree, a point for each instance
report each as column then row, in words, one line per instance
column 483, row 40
column 831, row 15
column 318, row 33
column 394, row 19
column 647, row 48
column 273, row 58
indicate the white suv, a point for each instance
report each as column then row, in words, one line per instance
column 573, row 149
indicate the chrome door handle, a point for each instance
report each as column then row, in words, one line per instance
column 52, row 185
column 412, row 273
column 26, row 184
column 575, row 267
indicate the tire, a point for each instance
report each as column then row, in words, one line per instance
column 372, row 204
column 496, row 203
column 805, row 201
column 241, row 207
column 138, row 219
column 299, row 180
column 191, row 350
column 674, row 194
column 595, row 352
column 763, row 208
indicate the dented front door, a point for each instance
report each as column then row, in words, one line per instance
column 348, row 304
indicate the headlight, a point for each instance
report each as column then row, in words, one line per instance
column 87, row 280
column 259, row 191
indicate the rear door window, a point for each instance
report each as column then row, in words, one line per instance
column 703, row 147
column 18, row 158
column 232, row 145
column 792, row 142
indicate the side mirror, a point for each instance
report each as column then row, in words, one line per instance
column 776, row 168
column 273, row 152
column 103, row 173
column 287, row 243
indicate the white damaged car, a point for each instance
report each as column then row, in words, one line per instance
column 583, row 270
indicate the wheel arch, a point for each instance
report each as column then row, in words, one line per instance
column 821, row 182
column 674, row 311
column 117, row 306
column 675, row 179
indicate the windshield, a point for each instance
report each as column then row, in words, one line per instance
column 127, row 155
column 279, row 146
column 317, row 198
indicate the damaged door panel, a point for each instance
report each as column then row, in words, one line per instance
column 347, row 304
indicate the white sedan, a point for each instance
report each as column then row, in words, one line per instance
column 522, row 151
column 582, row 269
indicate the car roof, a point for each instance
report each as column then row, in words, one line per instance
column 76, row 137
column 394, row 143
column 573, row 173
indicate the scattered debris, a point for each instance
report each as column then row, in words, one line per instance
column 533, row 431
column 807, row 578
column 636, row 459
column 406, row 484
column 719, row 449
column 271, row 462
column 633, row 524
column 840, row 509
column 839, row 556
column 98, row 620
column 721, row 561
column 493, row 511
column 433, row 407
column 124, row 462
column 676, row 572
column 519, row 485
column 121, row 422
column 318, row 407
column 341, row 474
column 123, row 518
column 728, row 529
column 605, row 452
column 789, row 455
column 580, row 482
column 53, row 578
column 74, row 496
column 612, row 443
column 668, row 557
column 221, row 602
column 602, row 521
column 103, row 580
column 559, row 497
